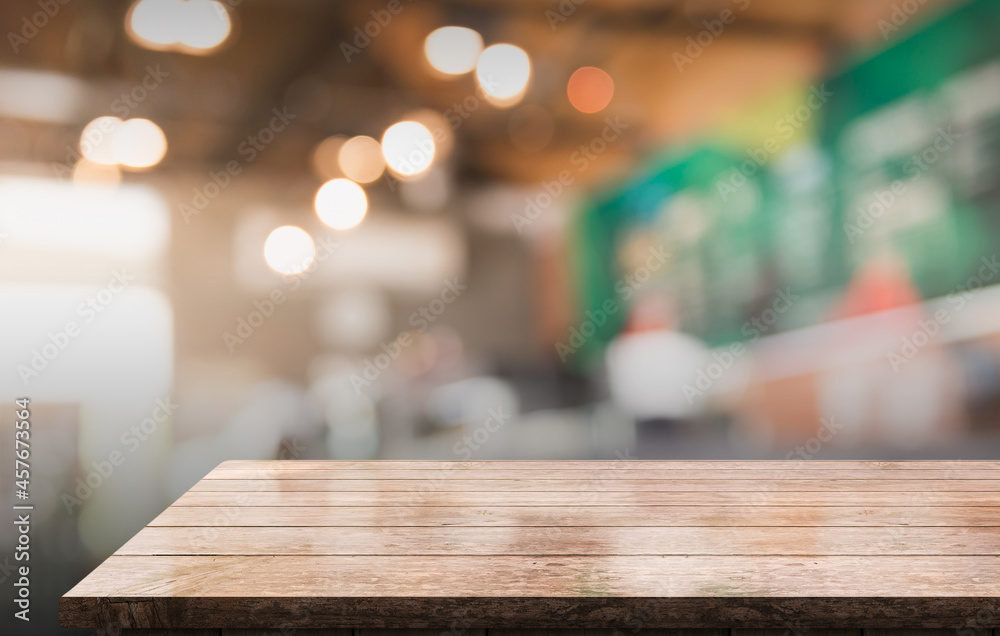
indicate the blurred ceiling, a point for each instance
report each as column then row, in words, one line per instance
column 289, row 55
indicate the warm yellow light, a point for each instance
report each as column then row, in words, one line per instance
column 289, row 250
column 360, row 159
column 341, row 204
column 189, row 26
column 503, row 72
column 138, row 143
column 96, row 138
column 453, row 50
column 408, row 148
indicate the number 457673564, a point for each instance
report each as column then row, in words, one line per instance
column 22, row 448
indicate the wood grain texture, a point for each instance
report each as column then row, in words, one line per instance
column 577, row 548
column 842, row 466
column 770, row 496
column 531, row 516
column 608, row 474
column 502, row 484
column 564, row 541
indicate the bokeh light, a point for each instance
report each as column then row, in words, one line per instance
column 441, row 130
column 590, row 89
column 138, row 143
column 408, row 148
column 207, row 25
column 453, row 50
column 289, row 250
column 96, row 138
column 326, row 158
column 360, row 158
column 503, row 72
column 341, row 204
column 189, row 26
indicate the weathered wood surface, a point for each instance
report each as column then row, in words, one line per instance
column 511, row 548
column 429, row 497
column 527, row 484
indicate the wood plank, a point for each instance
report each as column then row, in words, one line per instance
column 187, row 591
column 596, row 498
column 606, row 474
column 538, row 548
column 331, row 484
column 475, row 516
column 564, row 577
column 588, row 464
column 564, row 541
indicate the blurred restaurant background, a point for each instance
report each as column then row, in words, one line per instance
column 465, row 230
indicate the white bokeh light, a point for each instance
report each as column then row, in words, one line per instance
column 289, row 250
column 503, row 72
column 341, row 204
column 207, row 25
column 138, row 143
column 408, row 148
column 156, row 22
column 453, row 50
column 96, row 140
column 189, row 26
column 360, row 159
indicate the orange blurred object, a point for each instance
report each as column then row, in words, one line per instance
column 590, row 89
column 882, row 283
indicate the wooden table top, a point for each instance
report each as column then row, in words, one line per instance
column 572, row 544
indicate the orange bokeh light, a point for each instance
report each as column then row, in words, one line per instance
column 590, row 89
